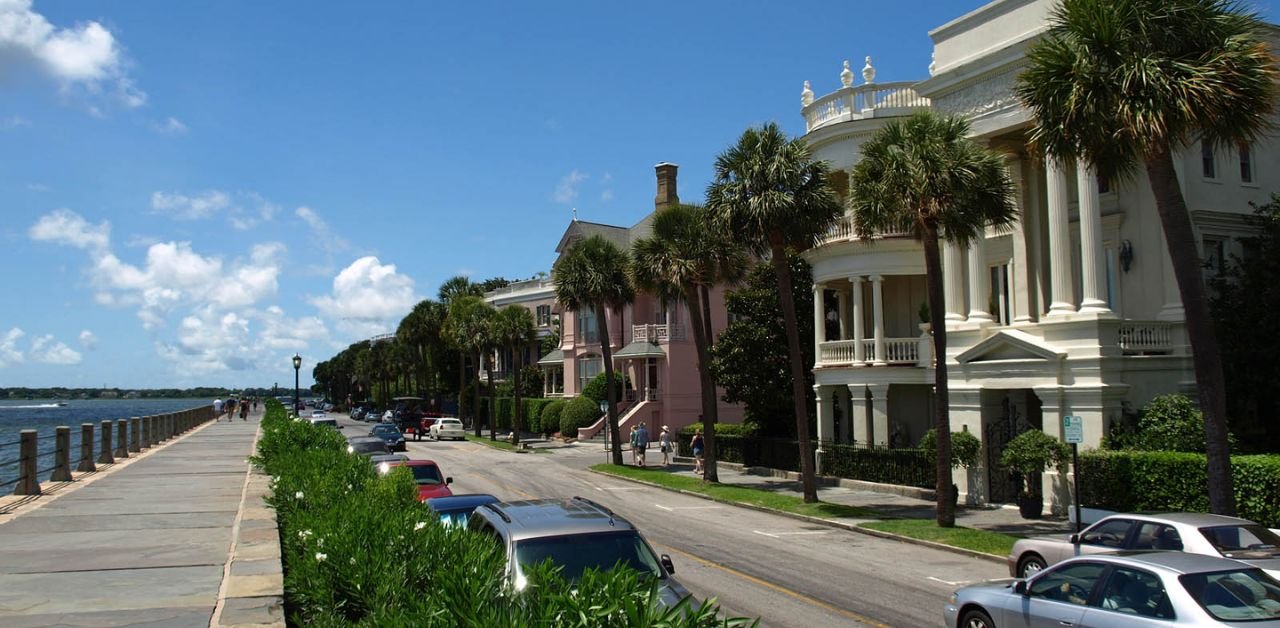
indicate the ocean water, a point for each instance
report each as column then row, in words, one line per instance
column 45, row 415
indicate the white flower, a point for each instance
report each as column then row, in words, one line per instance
column 321, row 557
column 348, row 487
column 420, row 525
column 302, row 534
column 320, row 542
column 297, row 495
column 353, row 560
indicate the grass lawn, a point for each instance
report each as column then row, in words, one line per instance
column 928, row 530
column 502, row 444
column 739, row 494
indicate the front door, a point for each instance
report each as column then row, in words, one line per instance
column 1003, row 484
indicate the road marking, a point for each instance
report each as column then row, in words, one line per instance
column 947, row 582
column 781, row 534
column 780, row 589
column 675, row 508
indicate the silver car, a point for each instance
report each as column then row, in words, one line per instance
column 1123, row 590
column 1211, row 535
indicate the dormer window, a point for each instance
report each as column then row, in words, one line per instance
column 1208, row 166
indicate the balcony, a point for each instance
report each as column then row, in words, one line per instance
column 657, row 334
column 869, row 100
column 897, row 352
column 1145, row 338
column 845, row 230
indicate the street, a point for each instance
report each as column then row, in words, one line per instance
column 786, row 571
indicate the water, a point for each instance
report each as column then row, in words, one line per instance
column 44, row 415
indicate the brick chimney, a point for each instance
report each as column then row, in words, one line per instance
column 666, row 186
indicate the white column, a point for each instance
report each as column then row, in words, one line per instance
column 879, row 414
column 819, row 323
column 953, row 281
column 826, row 418
column 1020, row 269
column 846, row 415
column 1172, row 309
column 1092, row 264
column 859, row 352
column 861, row 415
column 979, row 280
column 877, row 312
column 842, row 312
column 1059, row 241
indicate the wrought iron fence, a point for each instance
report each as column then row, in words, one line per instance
column 907, row 467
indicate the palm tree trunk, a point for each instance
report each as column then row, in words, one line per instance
column 707, row 384
column 946, row 510
column 606, row 354
column 515, row 394
column 706, row 315
column 493, row 399
column 786, row 297
column 475, row 406
column 1206, row 353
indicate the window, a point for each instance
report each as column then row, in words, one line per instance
column 1214, row 256
column 1111, row 279
column 999, row 303
column 544, row 315
column 1156, row 536
column 1104, row 185
column 1208, row 166
column 1109, row 533
column 588, row 367
column 1136, row 592
column 1072, row 584
column 1246, row 163
column 588, row 333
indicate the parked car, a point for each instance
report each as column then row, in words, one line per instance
column 325, row 421
column 1123, row 589
column 382, row 462
column 367, row 446
column 317, row 414
column 448, row 428
column 431, row 482
column 416, row 424
column 390, row 435
column 575, row 534
column 455, row 510
column 1212, row 535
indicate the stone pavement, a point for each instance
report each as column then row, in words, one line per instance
column 176, row 537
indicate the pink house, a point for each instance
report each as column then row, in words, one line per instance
column 651, row 342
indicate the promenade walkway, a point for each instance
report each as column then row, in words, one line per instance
column 175, row 537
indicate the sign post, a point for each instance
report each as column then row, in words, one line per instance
column 1073, row 433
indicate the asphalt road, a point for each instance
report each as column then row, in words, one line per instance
column 785, row 571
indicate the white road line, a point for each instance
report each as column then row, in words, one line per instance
column 782, row 534
column 674, row 508
column 622, row 488
column 947, row 582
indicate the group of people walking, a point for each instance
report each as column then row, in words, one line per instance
column 233, row 405
column 640, row 443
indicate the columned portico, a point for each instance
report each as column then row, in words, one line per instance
column 1021, row 269
column 826, row 418
column 879, row 414
column 859, row 335
column 1059, row 240
column 819, row 320
column 979, row 281
column 877, row 314
column 953, row 281
column 860, row 414
column 1091, row 263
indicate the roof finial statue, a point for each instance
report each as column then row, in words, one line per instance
column 806, row 95
column 868, row 72
column 846, row 75
column 933, row 62
column 575, row 214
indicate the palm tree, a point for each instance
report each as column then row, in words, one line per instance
column 515, row 329
column 593, row 274
column 452, row 289
column 772, row 193
column 680, row 262
column 467, row 328
column 1122, row 83
column 925, row 171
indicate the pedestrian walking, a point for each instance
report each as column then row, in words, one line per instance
column 642, row 442
column 634, row 456
column 664, row 445
column 697, row 451
column 244, row 409
column 217, row 408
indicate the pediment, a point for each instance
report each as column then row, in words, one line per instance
column 1010, row 344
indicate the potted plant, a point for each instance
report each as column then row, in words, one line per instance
column 965, row 449
column 1030, row 454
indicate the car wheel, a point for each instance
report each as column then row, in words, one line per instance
column 976, row 618
column 1030, row 565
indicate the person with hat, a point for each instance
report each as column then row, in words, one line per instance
column 664, row 444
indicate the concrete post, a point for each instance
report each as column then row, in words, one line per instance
column 61, row 455
column 146, row 432
column 122, row 438
column 29, row 448
column 86, row 449
column 135, row 442
column 106, row 457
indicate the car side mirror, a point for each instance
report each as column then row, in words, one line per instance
column 1020, row 587
column 667, row 564
column 341, row 426
column 448, row 480
column 1075, row 539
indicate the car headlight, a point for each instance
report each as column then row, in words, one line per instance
column 350, row 449
column 954, row 598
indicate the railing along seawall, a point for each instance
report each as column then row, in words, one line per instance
column 54, row 456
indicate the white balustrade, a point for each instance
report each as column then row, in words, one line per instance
column 897, row 351
column 1146, row 337
column 836, row 352
column 845, row 230
column 902, row 350
column 856, row 103
column 657, row 333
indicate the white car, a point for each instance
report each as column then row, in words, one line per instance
column 317, row 414
column 448, row 428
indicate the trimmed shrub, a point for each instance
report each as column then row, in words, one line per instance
column 595, row 390
column 1129, row 481
column 549, row 419
column 726, row 429
column 1031, row 453
column 506, row 412
column 965, row 447
column 1167, row 423
column 579, row 412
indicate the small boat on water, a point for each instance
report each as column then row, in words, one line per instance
column 62, row 404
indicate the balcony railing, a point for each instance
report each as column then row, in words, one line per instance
column 1144, row 338
column 859, row 102
column 845, row 230
column 896, row 351
column 657, row 333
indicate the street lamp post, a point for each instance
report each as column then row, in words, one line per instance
column 604, row 409
column 297, row 364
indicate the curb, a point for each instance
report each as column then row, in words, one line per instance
column 831, row 523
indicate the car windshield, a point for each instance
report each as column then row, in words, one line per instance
column 426, row 474
column 1242, row 595
column 455, row 518
column 1243, row 541
column 368, row 447
column 578, row 552
column 386, row 430
column 450, row 423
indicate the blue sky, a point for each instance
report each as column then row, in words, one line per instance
column 193, row 191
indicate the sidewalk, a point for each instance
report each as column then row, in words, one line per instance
column 177, row 538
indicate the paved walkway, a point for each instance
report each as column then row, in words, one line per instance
column 175, row 537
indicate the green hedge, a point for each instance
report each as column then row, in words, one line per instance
column 359, row 549
column 726, row 429
column 578, row 412
column 549, row 419
column 1130, row 481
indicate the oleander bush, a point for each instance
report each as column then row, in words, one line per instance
column 1129, row 481
column 359, row 549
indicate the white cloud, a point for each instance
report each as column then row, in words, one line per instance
column 245, row 219
column 293, row 334
column 37, row 187
column 46, row 350
column 64, row 226
column 9, row 353
column 86, row 56
column 13, row 122
column 324, row 236
column 368, row 297
column 567, row 188
column 170, row 126
column 88, row 340
column 183, row 207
